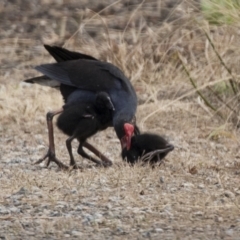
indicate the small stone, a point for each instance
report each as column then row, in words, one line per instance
column 16, row 160
column 198, row 214
column 55, row 214
column 16, row 203
column 229, row 194
column 161, row 179
column 218, row 219
column 173, row 189
column 3, row 210
column 21, row 191
column 14, row 210
column 187, row 185
column 88, row 217
column 41, row 147
column 74, row 191
column 229, row 232
column 147, row 235
column 76, row 233
column 78, row 208
column 42, row 23
column 98, row 217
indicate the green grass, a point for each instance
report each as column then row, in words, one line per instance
column 221, row 11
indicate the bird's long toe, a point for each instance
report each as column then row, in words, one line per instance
column 51, row 157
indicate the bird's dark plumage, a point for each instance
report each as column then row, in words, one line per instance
column 80, row 78
column 87, row 117
column 62, row 54
column 100, row 75
column 83, row 120
column 147, row 147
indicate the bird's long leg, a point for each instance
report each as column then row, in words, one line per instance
column 106, row 161
column 85, row 155
column 69, row 148
column 51, row 150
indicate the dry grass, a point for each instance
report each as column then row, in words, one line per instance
column 193, row 195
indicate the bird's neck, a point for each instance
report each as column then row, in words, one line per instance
column 119, row 119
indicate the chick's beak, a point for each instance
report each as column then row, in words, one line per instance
column 126, row 142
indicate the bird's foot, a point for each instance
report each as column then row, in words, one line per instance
column 51, row 157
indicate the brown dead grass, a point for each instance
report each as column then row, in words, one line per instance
column 193, row 195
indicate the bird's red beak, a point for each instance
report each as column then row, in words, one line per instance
column 126, row 140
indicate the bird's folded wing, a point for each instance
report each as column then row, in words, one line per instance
column 87, row 74
column 44, row 81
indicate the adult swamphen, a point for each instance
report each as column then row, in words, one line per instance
column 79, row 81
column 60, row 55
column 147, row 147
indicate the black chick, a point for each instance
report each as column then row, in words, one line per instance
column 81, row 121
column 147, row 147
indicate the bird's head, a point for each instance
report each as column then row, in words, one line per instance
column 103, row 101
column 147, row 147
column 125, row 127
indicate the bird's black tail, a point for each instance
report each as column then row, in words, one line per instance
column 61, row 54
